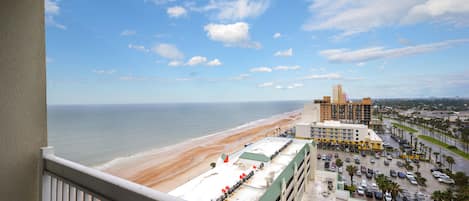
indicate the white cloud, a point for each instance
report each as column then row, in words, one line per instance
column 284, row 53
column 196, row 60
column 328, row 76
column 159, row 2
column 361, row 64
column 128, row 32
column 138, row 47
column 372, row 53
column 261, row 70
column 168, row 51
column 52, row 9
column 236, row 34
column 237, row 9
column 279, row 87
column 277, row 35
column 214, row 62
column 351, row 17
column 104, row 72
column 285, row 68
column 241, row 77
column 295, row 85
column 175, row 63
column 265, row 84
column 176, row 11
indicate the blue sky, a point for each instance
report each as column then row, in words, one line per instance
column 147, row 51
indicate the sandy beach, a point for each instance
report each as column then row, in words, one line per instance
column 166, row 168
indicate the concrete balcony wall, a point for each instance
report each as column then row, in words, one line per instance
column 22, row 98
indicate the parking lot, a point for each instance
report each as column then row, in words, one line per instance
column 432, row 184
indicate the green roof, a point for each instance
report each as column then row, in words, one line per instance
column 254, row 157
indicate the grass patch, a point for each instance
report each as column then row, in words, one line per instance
column 446, row 146
column 406, row 128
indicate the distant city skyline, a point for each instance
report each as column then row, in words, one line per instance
column 153, row 51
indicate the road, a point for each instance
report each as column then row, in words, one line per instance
column 461, row 163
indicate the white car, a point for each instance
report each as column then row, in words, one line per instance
column 361, row 190
column 340, row 170
column 437, row 174
column 413, row 181
column 323, row 157
column 409, row 175
column 387, row 196
column 363, row 184
column 374, row 186
column 446, row 180
column 389, row 157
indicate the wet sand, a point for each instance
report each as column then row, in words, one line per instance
column 167, row 168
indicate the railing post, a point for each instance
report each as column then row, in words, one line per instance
column 46, row 179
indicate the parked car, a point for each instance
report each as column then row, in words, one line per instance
column 363, row 169
column 332, row 168
column 340, row 170
column 357, row 161
column 369, row 175
column 437, row 174
column 363, row 154
column 369, row 193
column 377, row 156
column 446, row 180
column 386, row 163
column 372, row 161
column 389, row 157
column 387, row 196
column 347, row 160
column 361, row 190
column 358, row 173
column 336, row 155
column 393, row 173
column 409, row 175
column 413, row 181
column 370, row 170
column 363, row 184
column 378, row 195
column 401, row 175
column 326, row 165
column 319, row 156
column 324, row 157
column 436, row 169
column 400, row 164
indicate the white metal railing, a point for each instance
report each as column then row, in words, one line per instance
column 64, row 180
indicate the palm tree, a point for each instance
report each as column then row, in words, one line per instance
column 451, row 162
column 351, row 169
column 430, row 154
column 436, row 156
column 382, row 183
column 394, row 188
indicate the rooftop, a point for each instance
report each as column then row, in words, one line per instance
column 334, row 124
column 274, row 152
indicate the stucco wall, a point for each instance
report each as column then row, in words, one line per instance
column 22, row 98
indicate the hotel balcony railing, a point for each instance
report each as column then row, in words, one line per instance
column 64, row 180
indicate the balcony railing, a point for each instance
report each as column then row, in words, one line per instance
column 64, row 180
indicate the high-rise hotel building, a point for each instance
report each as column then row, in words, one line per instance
column 341, row 109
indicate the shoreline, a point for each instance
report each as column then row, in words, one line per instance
column 167, row 167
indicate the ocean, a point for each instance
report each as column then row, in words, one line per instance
column 95, row 134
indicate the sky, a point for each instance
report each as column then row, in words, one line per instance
column 152, row 51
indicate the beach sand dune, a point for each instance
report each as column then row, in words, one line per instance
column 167, row 168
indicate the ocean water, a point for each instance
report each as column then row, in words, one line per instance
column 95, row 134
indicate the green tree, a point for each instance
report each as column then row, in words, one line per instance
column 394, row 188
column 450, row 161
column 461, row 179
column 351, row 169
column 382, row 183
column 339, row 162
column 438, row 196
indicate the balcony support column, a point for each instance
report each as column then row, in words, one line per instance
column 22, row 99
